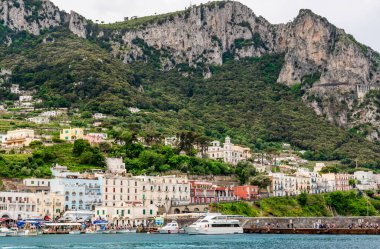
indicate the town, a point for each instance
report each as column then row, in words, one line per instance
column 123, row 199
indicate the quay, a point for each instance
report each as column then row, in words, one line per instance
column 310, row 231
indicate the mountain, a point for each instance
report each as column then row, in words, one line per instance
column 216, row 69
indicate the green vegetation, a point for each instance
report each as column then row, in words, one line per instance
column 236, row 208
column 351, row 203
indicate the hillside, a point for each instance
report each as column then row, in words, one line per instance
column 215, row 69
column 350, row 203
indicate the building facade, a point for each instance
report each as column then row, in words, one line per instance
column 71, row 134
column 228, row 153
column 81, row 194
column 246, row 192
column 19, row 138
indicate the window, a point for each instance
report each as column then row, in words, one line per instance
column 129, row 211
column 151, row 212
column 144, row 211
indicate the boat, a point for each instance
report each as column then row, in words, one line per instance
column 214, row 224
column 171, row 228
column 4, row 231
column 75, row 232
column 122, row 231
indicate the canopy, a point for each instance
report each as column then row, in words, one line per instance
column 62, row 224
column 100, row 222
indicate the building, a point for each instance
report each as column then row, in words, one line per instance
column 3, row 138
column 289, row 185
column 71, row 134
column 115, row 166
column 19, row 138
column 246, row 192
column 133, row 110
column 338, row 182
column 39, row 120
column 365, row 180
column 171, row 141
column 21, row 205
column 202, row 192
column 80, row 193
column 229, row 153
column 25, row 98
column 319, row 166
column 15, row 89
column 99, row 116
column 36, row 185
column 96, row 138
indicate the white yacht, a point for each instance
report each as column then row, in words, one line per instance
column 171, row 228
column 213, row 224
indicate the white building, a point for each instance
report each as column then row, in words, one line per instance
column 365, row 180
column 80, row 194
column 25, row 98
column 115, row 166
column 134, row 110
column 39, row 120
column 19, row 205
column 15, row 89
column 319, row 166
column 37, row 184
column 229, row 153
column 99, row 116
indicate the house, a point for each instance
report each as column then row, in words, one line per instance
column 365, row 180
column 36, row 185
column 115, row 166
column 19, row 138
column 95, row 138
column 134, row 110
column 319, row 166
column 15, row 89
column 25, row 98
column 39, row 120
column 229, row 153
column 72, row 134
column 98, row 116
column 3, row 138
column 246, row 192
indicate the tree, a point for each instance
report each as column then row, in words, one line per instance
column 80, row 146
column 262, row 181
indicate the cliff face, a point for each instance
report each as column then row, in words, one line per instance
column 328, row 63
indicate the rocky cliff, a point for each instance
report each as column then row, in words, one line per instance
column 327, row 62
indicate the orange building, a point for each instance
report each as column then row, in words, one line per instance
column 246, row 192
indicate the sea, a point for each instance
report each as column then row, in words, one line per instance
column 143, row 241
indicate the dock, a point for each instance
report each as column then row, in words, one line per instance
column 332, row 231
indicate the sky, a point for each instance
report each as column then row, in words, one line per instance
column 361, row 18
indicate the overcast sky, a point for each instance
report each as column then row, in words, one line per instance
column 360, row 18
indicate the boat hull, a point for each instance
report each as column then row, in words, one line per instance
column 213, row 230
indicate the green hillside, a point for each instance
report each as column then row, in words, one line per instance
column 241, row 99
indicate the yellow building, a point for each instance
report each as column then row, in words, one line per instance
column 71, row 134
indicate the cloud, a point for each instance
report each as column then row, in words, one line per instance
column 359, row 18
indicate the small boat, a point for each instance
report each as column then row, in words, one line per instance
column 171, row 228
column 214, row 224
column 122, row 231
column 75, row 232
column 13, row 232
column 109, row 231
column 4, row 231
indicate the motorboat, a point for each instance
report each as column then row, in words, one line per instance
column 214, row 224
column 75, row 232
column 171, row 228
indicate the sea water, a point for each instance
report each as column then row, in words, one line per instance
column 246, row 241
